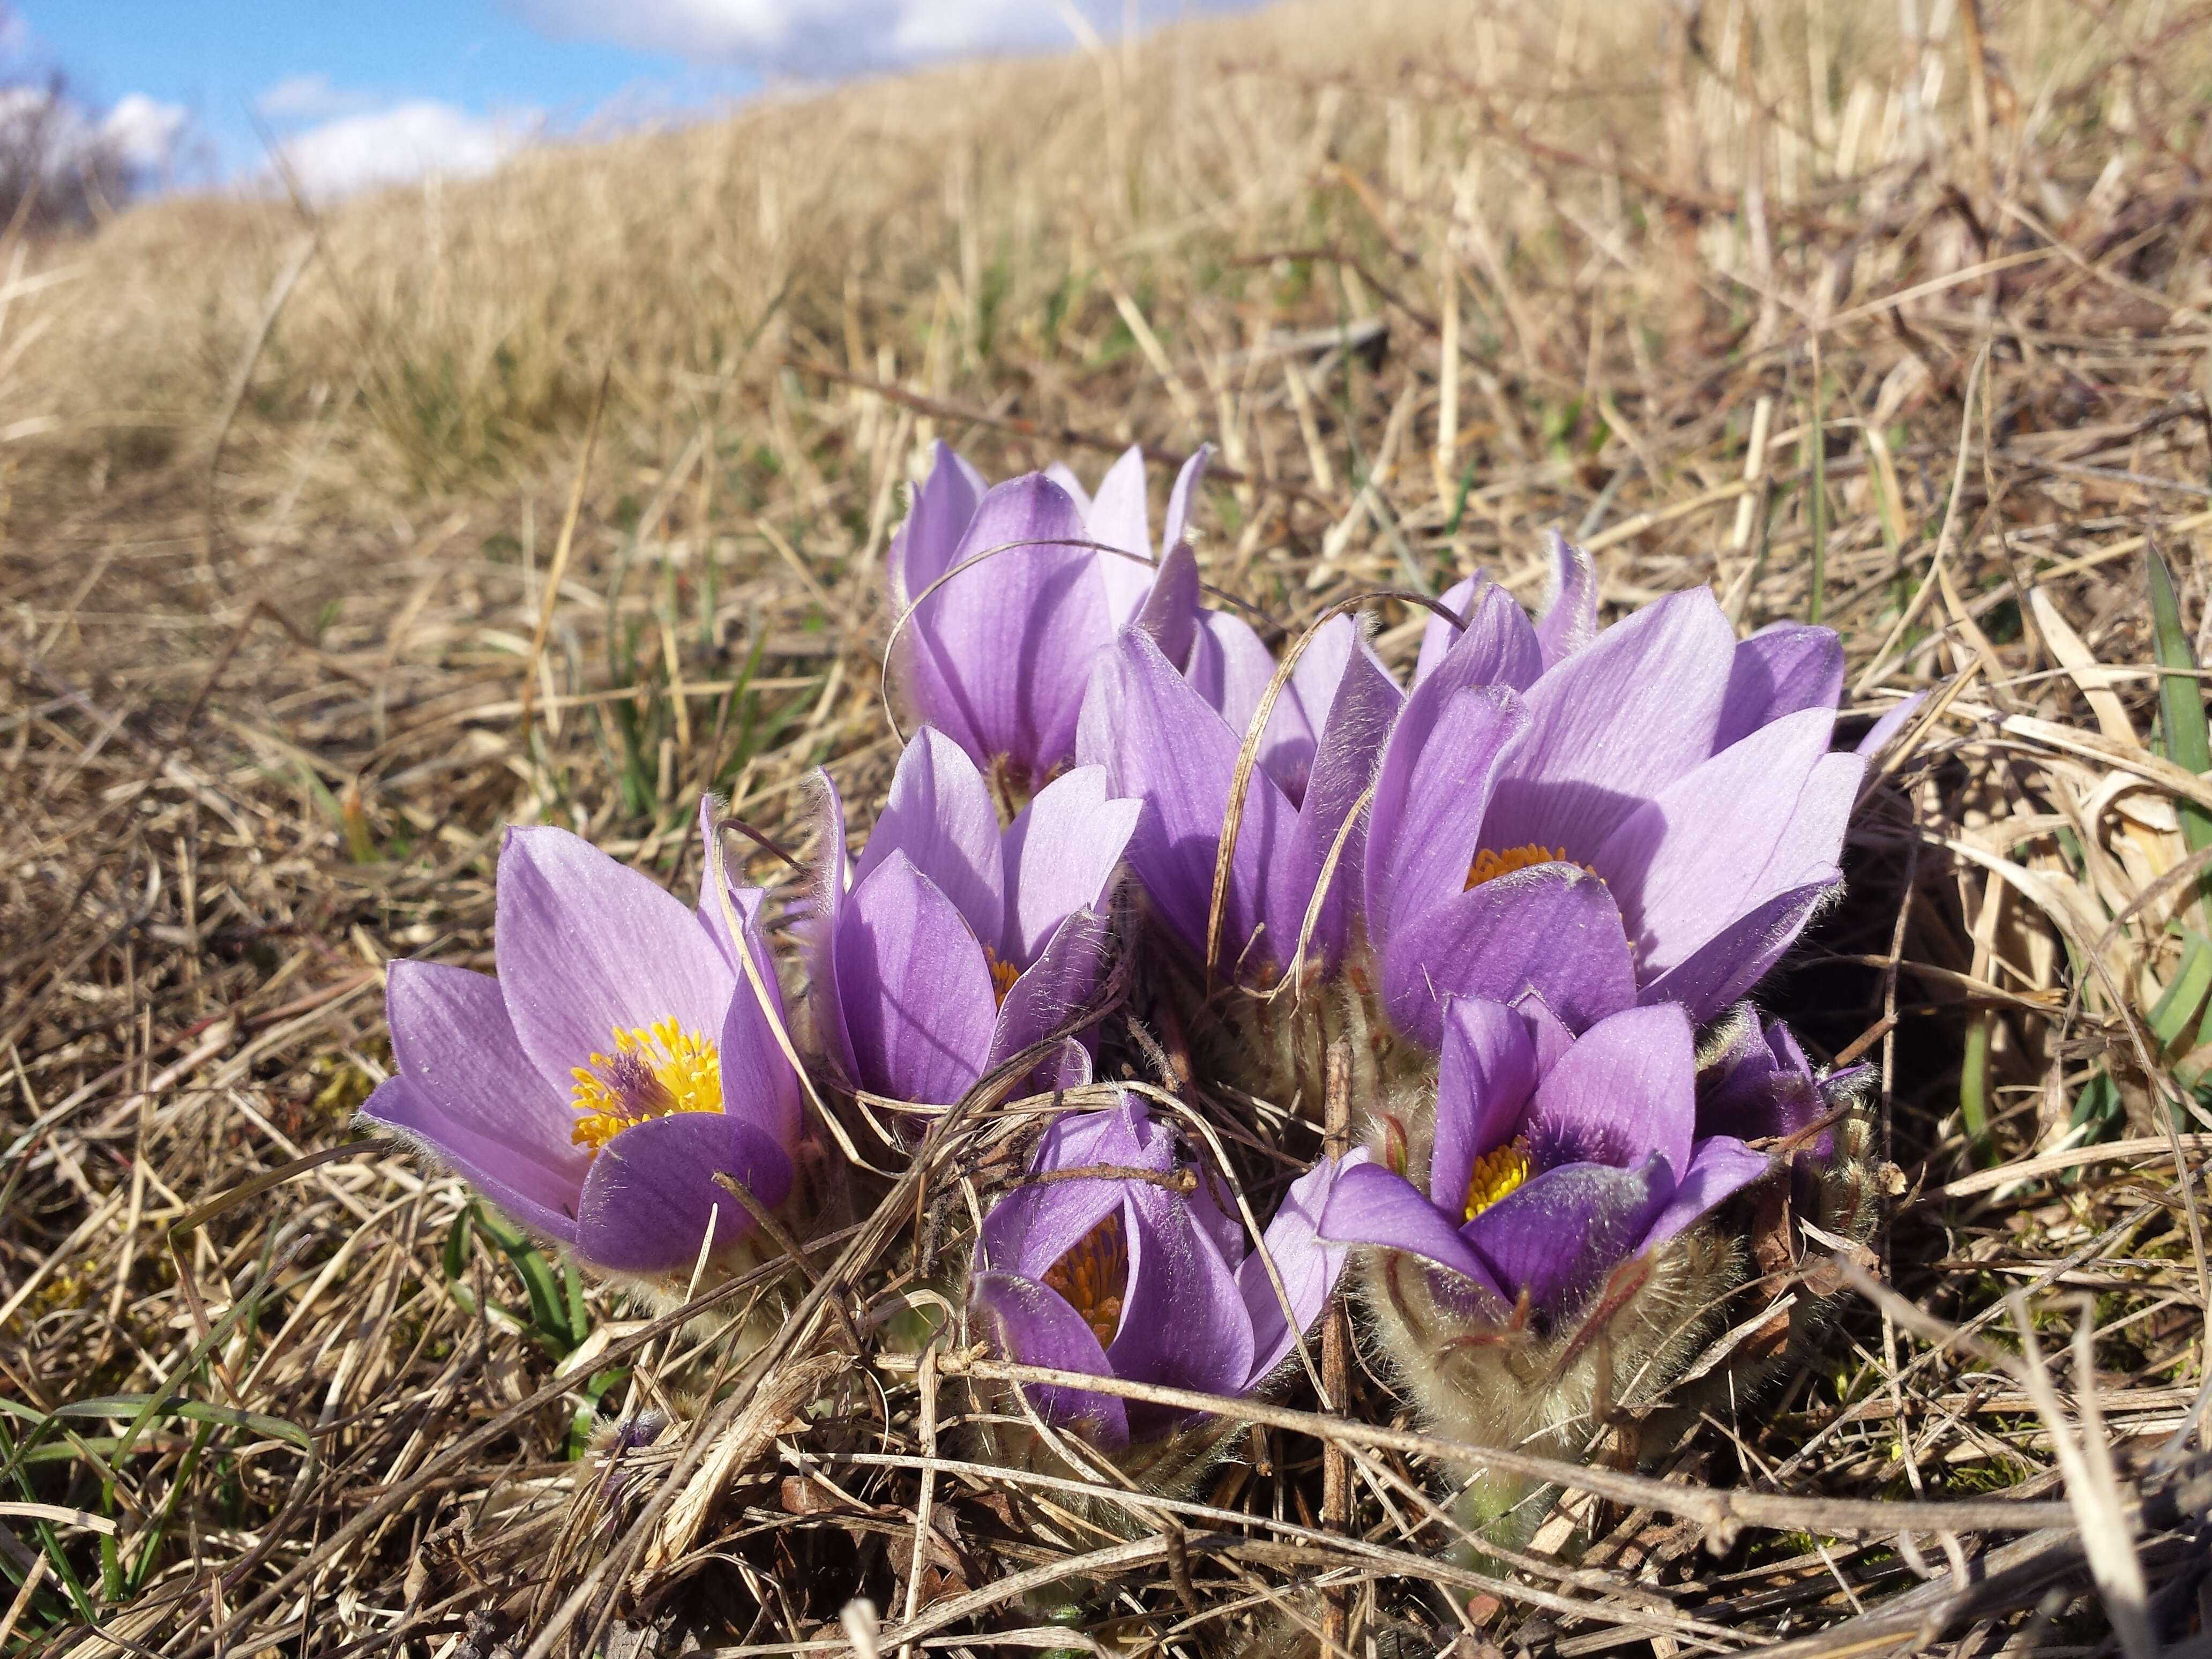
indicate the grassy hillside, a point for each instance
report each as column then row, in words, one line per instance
column 331, row 543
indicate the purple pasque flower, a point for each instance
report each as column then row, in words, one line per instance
column 1173, row 740
column 1142, row 1274
column 1230, row 667
column 1651, row 813
column 1118, row 516
column 619, row 1062
column 1553, row 1159
column 952, row 946
column 996, row 653
column 1756, row 1084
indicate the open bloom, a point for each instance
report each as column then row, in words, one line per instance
column 619, row 1062
column 952, row 946
column 1173, row 740
column 996, row 653
column 1142, row 1275
column 1553, row 1159
column 1651, row 813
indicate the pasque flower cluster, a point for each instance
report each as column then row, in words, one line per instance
column 1529, row 884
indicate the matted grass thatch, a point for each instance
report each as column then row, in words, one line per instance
column 1895, row 319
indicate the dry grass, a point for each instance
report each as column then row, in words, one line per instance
column 1904, row 334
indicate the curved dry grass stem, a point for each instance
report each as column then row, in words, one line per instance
column 898, row 625
column 1296, row 977
column 1720, row 1511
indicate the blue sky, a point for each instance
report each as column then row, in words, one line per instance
column 357, row 92
column 222, row 60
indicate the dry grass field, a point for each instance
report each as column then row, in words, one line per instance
column 331, row 545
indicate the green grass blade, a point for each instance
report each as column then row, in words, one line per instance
column 549, row 1309
column 2180, row 703
column 1973, row 1091
column 149, row 1541
column 453, row 1261
column 2184, row 995
column 134, row 1405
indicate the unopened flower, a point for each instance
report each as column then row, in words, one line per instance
column 1009, row 594
column 1652, row 816
column 1754, row 1083
column 1139, row 1272
column 953, row 945
column 620, row 1062
column 1118, row 516
column 1173, row 740
column 1230, row 667
column 617, row 1445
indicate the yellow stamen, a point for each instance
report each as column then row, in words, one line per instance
column 1094, row 1277
column 1489, row 865
column 1496, row 1173
column 1003, row 974
column 653, row 1070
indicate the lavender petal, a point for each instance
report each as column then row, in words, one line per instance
column 1695, row 856
column 1370, row 1204
column 651, row 1190
column 1551, row 929
column 915, row 988
column 1061, row 854
column 1060, row 983
column 1613, row 725
column 941, row 815
column 1782, row 669
column 1443, row 758
column 1309, row 1265
column 1719, row 1167
column 1011, row 637
column 1485, row 1078
column 1625, row 1091
column 1569, row 621
column 524, row 1190
column 586, row 946
column 1033, row 1325
column 1556, row 1237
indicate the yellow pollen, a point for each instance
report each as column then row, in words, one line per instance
column 1094, row 1277
column 1003, row 974
column 1496, row 1173
column 1489, row 865
column 653, row 1070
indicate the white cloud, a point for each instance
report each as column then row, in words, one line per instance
column 145, row 133
column 310, row 98
column 141, row 134
column 392, row 146
column 833, row 37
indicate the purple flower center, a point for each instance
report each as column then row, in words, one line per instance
column 1093, row 1276
column 1003, row 974
column 652, row 1073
